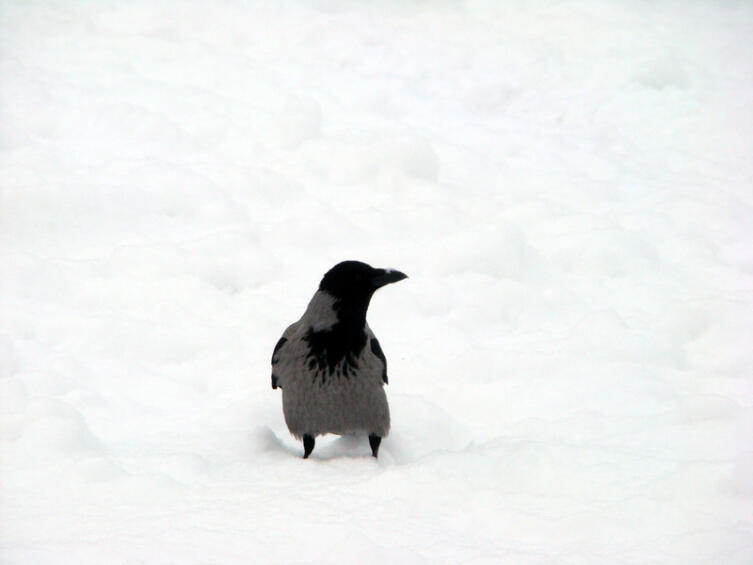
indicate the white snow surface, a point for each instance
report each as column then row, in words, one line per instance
column 568, row 184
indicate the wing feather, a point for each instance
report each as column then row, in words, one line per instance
column 376, row 349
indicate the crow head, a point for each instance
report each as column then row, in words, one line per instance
column 354, row 281
column 352, row 284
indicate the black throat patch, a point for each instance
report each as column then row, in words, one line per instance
column 342, row 343
column 340, row 346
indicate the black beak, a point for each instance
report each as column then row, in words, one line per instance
column 386, row 276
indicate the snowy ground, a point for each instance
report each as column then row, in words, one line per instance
column 568, row 185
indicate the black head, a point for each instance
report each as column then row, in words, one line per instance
column 354, row 280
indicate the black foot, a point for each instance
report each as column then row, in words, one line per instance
column 308, row 445
column 374, row 442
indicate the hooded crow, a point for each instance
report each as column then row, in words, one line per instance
column 329, row 364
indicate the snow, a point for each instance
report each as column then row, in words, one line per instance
column 567, row 184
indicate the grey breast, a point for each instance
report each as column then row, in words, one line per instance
column 339, row 403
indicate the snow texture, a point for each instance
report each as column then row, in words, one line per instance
column 568, row 185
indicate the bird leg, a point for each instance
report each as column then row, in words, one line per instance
column 308, row 445
column 374, row 441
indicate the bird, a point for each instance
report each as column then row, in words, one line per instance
column 330, row 365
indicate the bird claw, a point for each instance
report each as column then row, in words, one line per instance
column 374, row 441
column 308, row 445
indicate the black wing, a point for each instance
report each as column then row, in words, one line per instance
column 280, row 343
column 275, row 360
column 376, row 349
